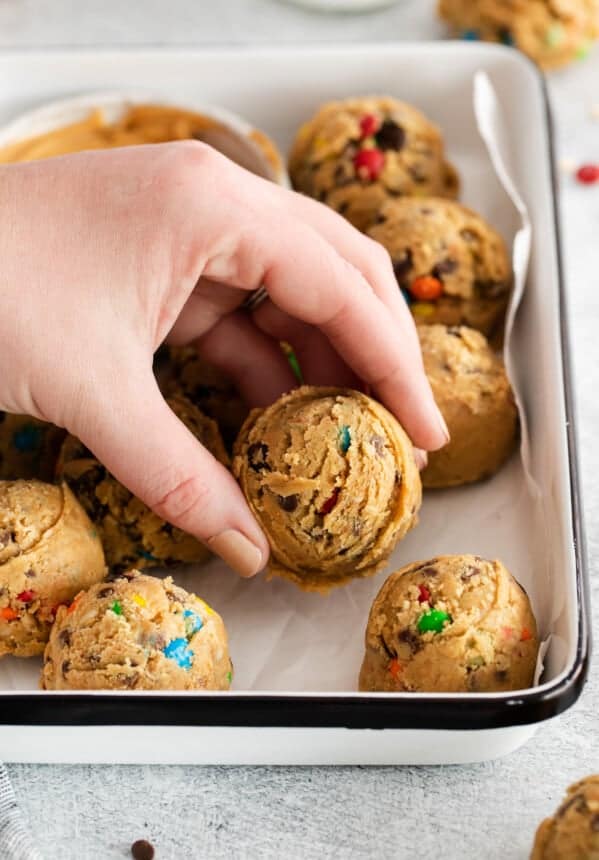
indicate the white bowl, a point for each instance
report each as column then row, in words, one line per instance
column 230, row 133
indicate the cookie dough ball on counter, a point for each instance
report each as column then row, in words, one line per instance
column 453, row 624
column 573, row 832
column 354, row 155
column 49, row 551
column 451, row 265
column 28, row 447
column 552, row 32
column 208, row 388
column 131, row 533
column 137, row 633
column 330, row 475
column 474, row 395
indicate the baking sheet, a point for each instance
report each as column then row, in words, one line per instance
column 283, row 639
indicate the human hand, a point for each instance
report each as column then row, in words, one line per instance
column 107, row 254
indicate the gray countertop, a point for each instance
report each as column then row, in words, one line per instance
column 459, row 812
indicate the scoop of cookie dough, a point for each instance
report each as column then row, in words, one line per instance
column 474, row 395
column 330, row 475
column 137, row 633
column 28, row 447
column 551, row 32
column 208, row 388
column 354, row 155
column 573, row 832
column 453, row 624
column 131, row 533
column 451, row 265
column 49, row 551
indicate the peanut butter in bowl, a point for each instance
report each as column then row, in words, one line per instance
column 105, row 122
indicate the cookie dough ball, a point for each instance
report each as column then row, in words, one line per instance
column 131, row 533
column 28, row 447
column 49, row 551
column 137, row 633
column 455, row 624
column 452, row 267
column 330, row 475
column 474, row 395
column 573, row 832
column 208, row 388
column 551, row 32
column 356, row 154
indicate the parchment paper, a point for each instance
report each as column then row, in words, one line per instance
column 283, row 639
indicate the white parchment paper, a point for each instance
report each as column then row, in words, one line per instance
column 283, row 639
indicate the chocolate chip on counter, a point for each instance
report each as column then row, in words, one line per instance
column 142, row 850
column 105, row 592
column 257, row 454
column 288, row 503
column 390, row 136
column 445, row 267
column 403, row 267
column 64, row 637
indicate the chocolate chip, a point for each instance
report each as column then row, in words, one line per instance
column 428, row 571
column 2, row 416
column 288, row 503
column 491, row 289
column 501, row 675
column 468, row 235
column 390, row 136
column 142, row 850
column 6, row 537
column 378, row 443
column 128, row 681
column 470, row 571
column 105, row 592
column 595, row 823
column 403, row 267
column 66, row 665
column 94, row 659
column 343, row 208
column 64, row 637
column 445, row 267
column 257, row 454
column 391, row 654
column 454, row 331
column 31, row 574
column 408, row 637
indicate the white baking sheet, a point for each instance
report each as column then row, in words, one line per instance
column 283, row 639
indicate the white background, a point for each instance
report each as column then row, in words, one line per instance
column 91, row 812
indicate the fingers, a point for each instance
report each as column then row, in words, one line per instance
column 321, row 288
column 145, row 446
column 254, row 361
column 319, row 362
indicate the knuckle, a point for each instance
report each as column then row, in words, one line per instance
column 188, row 498
column 379, row 255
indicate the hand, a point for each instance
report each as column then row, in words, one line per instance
column 106, row 254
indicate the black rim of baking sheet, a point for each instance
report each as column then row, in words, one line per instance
column 367, row 711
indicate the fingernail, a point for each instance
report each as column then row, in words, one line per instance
column 238, row 551
column 443, row 426
column 421, row 458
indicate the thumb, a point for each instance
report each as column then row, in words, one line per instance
column 141, row 441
